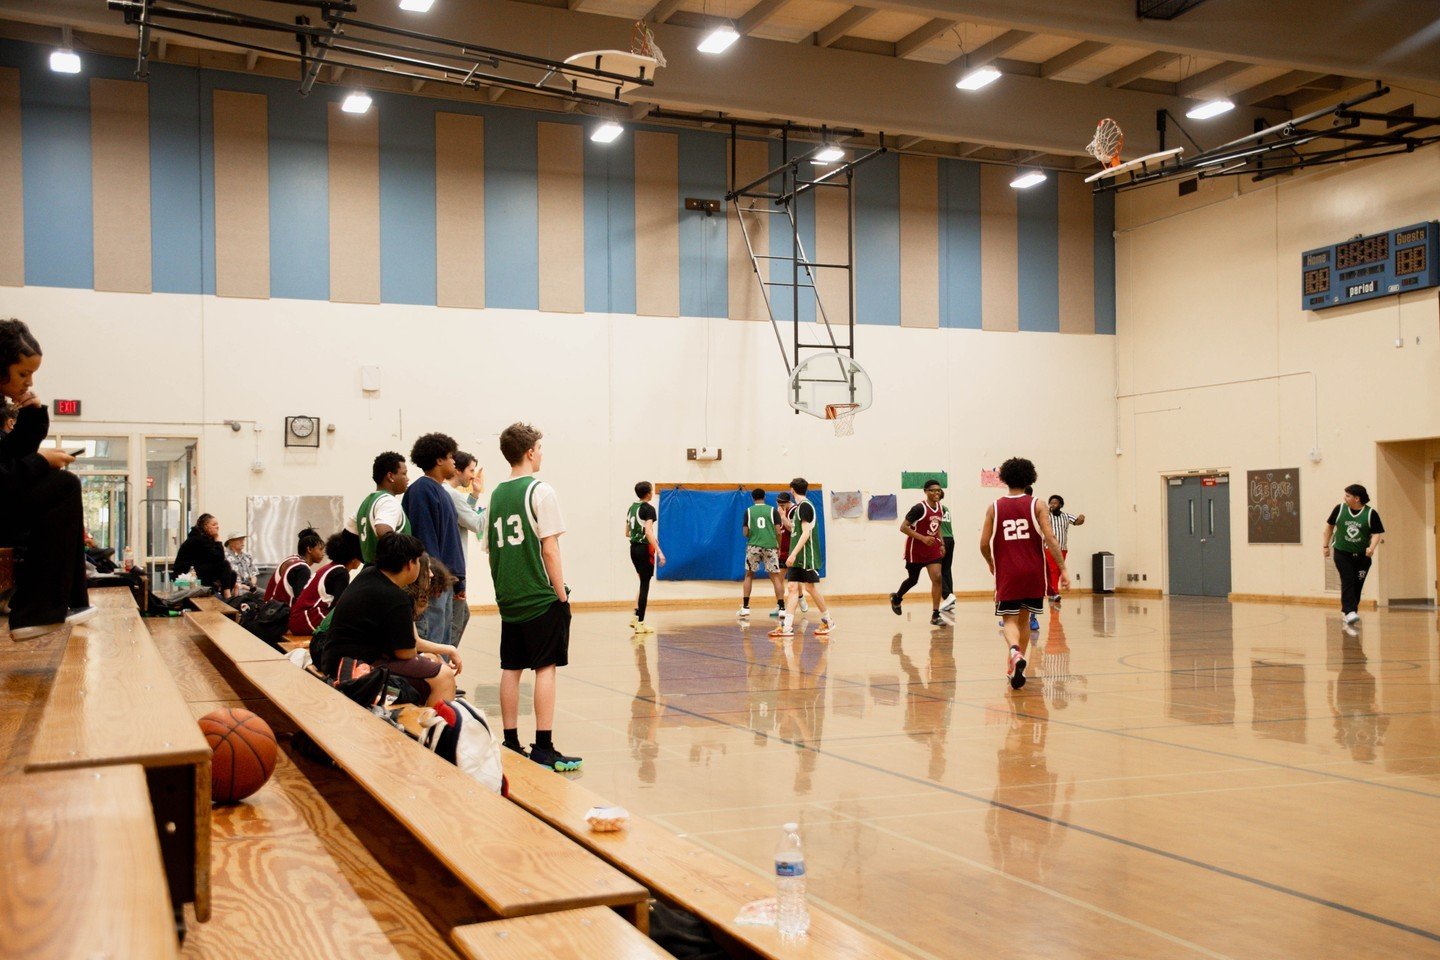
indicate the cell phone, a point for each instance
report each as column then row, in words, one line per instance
column 77, row 452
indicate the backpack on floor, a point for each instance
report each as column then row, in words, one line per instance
column 268, row 620
column 459, row 732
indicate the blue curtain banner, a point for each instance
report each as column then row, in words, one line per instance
column 700, row 532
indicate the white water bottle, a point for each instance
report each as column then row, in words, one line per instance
column 793, row 916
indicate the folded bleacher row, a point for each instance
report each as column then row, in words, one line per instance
column 107, row 830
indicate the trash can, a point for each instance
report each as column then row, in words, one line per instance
column 1102, row 572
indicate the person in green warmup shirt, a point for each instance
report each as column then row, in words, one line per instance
column 642, row 532
column 1352, row 535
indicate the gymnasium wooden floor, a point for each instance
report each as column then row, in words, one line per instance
column 1181, row 778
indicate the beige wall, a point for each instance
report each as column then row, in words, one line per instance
column 1208, row 291
column 605, row 428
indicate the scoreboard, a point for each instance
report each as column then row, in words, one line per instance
column 1364, row 268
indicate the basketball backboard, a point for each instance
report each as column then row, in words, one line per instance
column 826, row 379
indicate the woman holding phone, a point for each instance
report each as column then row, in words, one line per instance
column 41, row 502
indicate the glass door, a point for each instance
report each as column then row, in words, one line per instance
column 170, row 482
column 103, row 469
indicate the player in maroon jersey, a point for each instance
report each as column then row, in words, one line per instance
column 924, row 549
column 1013, row 542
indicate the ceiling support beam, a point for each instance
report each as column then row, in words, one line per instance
column 1072, row 57
column 1206, row 79
column 1137, row 69
column 757, row 15
column 985, row 53
column 1284, row 84
column 663, row 11
column 843, row 24
column 920, row 36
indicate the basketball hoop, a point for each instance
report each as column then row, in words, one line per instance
column 642, row 43
column 1106, row 144
column 844, row 416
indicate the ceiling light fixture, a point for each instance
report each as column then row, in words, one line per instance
column 356, row 102
column 417, row 6
column 977, row 78
column 65, row 61
column 1208, row 109
column 1028, row 179
column 719, row 39
column 828, row 154
column 607, row 132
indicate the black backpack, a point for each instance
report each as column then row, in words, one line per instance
column 268, row 620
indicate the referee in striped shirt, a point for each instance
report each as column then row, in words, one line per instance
column 1061, row 522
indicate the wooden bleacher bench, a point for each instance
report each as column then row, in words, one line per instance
column 594, row 933
column 680, row 872
column 82, row 871
column 213, row 604
column 238, row 644
column 512, row 861
column 113, row 701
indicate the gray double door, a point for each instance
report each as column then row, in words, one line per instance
column 1199, row 526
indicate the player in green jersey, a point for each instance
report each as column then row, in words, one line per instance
column 381, row 512
column 1352, row 535
column 645, row 552
column 804, row 565
column 762, row 549
column 522, row 535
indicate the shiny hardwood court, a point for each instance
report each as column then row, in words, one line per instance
column 1179, row 777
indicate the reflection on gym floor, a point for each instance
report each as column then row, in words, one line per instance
column 1171, row 765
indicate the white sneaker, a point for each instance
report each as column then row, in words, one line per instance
column 786, row 628
column 743, row 613
column 804, row 605
column 30, row 633
column 948, row 603
column 1352, row 617
column 80, row 614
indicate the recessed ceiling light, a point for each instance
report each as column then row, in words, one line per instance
column 1028, row 179
column 828, row 155
column 607, row 132
column 1208, row 109
column 977, row 78
column 64, row 61
column 718, row 40
column 356, row 103
column 417, row 6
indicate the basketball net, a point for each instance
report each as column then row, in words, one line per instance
column 642, row 43
column 1106, row 144
column 844, row 416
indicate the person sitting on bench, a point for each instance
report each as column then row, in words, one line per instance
column 42, row 502
column 293, row 574
column 203, row 553
column 374, row 622
column 326, row 584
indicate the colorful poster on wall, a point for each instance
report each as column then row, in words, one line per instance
column 990, row 477
column 845, row 504
column 881, row 507
column 916, row 479
column 1273, row 505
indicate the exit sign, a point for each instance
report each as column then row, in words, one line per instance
column 67, row 408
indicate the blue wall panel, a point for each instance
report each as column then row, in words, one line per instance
column 610, row 225
column 877, row 241
column 704, row 271
column 1038, row 256
column 1105, row 263
column 512, row 213
column 407, row 200
column 176, row 240
column 960, row 244
column 299, row 193
column 56, row 168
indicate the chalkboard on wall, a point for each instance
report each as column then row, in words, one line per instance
column 1273, row 502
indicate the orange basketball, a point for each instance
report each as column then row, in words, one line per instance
column 242, row 748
